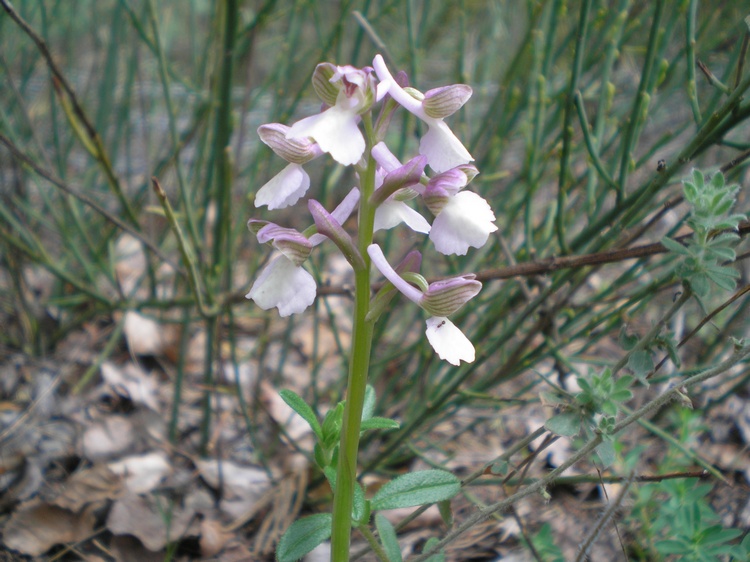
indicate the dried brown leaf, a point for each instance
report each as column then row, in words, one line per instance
column 37, row 527
column 154, row 521
column 88, row 486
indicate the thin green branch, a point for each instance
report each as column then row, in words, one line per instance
column 690, row 54
column 586, row 130
column 85, row 199
column 567, row 129
column 185, row 197
column 185, row 250
column 641, row 97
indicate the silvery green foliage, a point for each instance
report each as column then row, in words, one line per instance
column 707, row 253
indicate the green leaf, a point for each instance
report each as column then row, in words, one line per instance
column 446, row 513
column 416, row 488
column 388, row 538
column 500, row 468
column 331, row 428
column 628, row 341
column 674, row 247
column 717, row 534
column 566, row 424
column 379, row 423
column 296, row 403
column 439, row 557
column 671, row 546
column 724, row 277
column 369, row 405
column 641, row 364
column 320, row 456
column 359, row 504
column 303, row 535
column 700, row 285
column 606, row 453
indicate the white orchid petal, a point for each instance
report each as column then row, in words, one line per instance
column 391, row 213
column 336, row 132
column 449, row 342
column 465, row 221
column 442, row 148
column 285, row 286
column 284, row 189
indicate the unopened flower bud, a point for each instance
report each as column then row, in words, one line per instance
column 399, row 178
column 288, row 241
column 330, row 227
column 442, row 102
column 294, row 150
column 436, row 198
column 445, row 297
column 321, row 80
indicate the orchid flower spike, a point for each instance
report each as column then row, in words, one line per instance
column 440, row 300
column 349, row 92
column 284, row 283
column 289, row 185
column 442, row 148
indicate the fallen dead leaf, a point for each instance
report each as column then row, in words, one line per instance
column 144, row 335
column 88, row 486
column 142, row 473
column 108, row 437
column 35, row 528
column 240, row 486
column 155, row 521
column 213, row 537
column 133, row 383
column 129, row 549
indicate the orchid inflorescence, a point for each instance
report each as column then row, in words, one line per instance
column 463, row 219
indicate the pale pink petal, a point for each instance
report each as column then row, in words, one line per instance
column 341, row 213
column 285, row 286
column 465, row 221
column 379, row 261
column 336, row 132
column 284, row 189
column 391, row 213
column 442, row 148
column 449, row 342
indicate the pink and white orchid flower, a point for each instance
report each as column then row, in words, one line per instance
column 442, row 148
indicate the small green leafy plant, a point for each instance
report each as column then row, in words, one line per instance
column 707, row 253
column 674, row 519
column 593, row 410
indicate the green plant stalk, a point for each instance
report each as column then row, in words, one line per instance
column 346, row 471
column 690, row 54
column 640, row 97
column 109, row 348
column 374, row 544
column 567, row 128
column 185, row 197
column 222, row 138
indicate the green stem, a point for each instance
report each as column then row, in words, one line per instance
column 346, row 471
column 567, row 130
